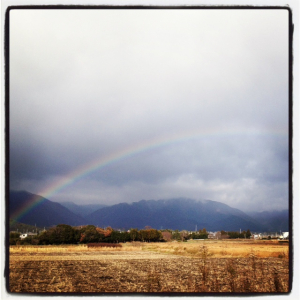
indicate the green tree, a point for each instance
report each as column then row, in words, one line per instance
column 143, row 235
column 195, row 235
column 176, row 235
column 118, row 237
column 133, row 234
column 29, row 240
column 248, row 234
column 89, row 234
column 14, row 237
column 115, row 237
column 150, row 235
column 65, row 234
column 154, row 235
column 61, row 234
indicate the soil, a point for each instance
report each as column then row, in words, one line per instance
column 144, row 272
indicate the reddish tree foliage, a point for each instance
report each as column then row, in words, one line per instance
column 82, row 236
column 167, row 236
column 106, row 232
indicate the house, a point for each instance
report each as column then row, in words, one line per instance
column 220, row 236
column 211, row 235
column 25, row 235
column 284, row 236
column 257, row 236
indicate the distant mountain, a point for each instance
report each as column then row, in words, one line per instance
column 181, row 213
column 272, row 220
column 28, row 209
column 82, row 210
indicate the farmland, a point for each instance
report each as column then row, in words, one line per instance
column 194, row 266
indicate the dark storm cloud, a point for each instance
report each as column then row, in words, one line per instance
column 222, row 158
column 89, row 84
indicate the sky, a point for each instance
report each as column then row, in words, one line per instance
column 110, row 106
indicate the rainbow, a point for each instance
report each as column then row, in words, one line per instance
column 122, row 154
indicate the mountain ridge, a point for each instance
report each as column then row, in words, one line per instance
column 177, row 213
column 80, row 209
column 44, row 213
column 274, row 220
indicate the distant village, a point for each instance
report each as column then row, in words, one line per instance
column 214, row 235
column 169, row 235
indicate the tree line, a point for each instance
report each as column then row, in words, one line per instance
column 66, row 234
column 237, row 235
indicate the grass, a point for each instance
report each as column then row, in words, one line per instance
column 22, row 249
column 199, row 249
column 47, row 248
column 194, row 266
column 219, row 249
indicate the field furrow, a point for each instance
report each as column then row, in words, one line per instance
column 151, row 270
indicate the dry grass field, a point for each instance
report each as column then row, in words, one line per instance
column 193, row 267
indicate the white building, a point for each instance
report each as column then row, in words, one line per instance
column 285, row 235
column 257, row 236
column 25, row 235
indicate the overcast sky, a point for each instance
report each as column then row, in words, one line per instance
column 203, row 93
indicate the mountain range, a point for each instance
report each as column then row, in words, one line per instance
column 179, row 213
column 82, row 210
column 272, row 220
column 45, row 213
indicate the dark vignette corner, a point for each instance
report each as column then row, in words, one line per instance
column 6, row 136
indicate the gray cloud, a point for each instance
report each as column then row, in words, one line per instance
column 88, row 84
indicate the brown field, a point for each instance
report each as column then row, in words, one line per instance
column 194, row 266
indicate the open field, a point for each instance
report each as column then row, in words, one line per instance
column 224, row 248
column 196, row 266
